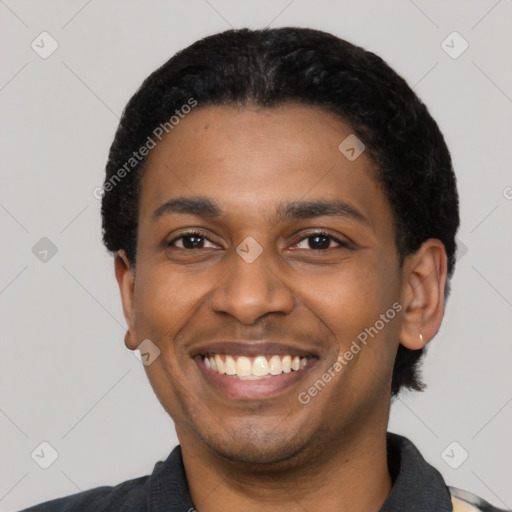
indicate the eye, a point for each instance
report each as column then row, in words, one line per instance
column 319, row 241
column 190, row 240
column 316, row 241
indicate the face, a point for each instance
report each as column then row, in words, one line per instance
column 263, row 247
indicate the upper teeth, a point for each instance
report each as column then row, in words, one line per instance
column 254, row 367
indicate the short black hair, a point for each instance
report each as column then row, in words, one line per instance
column 268, row 68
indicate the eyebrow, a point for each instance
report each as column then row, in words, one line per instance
column 205, row 207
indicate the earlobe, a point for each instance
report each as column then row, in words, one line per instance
column 424, row 279
column 126, row 281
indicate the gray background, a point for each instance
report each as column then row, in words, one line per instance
column 66, row 376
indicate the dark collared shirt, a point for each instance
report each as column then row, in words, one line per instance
column 417, row 487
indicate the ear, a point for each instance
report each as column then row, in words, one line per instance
column 424, row 276
column 125, row 275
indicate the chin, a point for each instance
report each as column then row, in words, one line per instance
column 256, row 447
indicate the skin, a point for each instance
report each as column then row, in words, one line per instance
column 275, row 453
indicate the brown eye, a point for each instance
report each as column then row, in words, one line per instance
column 191, row 240
column 319, row 241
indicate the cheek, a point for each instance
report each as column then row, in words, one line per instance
column 349, row 298
column 365, row 343
column 164, row 303
column 166, row 298
column 357, row 306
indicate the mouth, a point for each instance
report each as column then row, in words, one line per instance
column 250, row 375
column 254, row 368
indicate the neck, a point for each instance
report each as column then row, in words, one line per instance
column 351, row 476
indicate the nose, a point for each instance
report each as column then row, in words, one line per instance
column 251, row 290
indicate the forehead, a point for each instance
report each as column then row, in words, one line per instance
column 253, row 159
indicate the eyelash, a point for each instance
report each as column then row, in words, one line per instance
column 310, row 235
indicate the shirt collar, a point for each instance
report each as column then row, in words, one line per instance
column 167, row 488
column 417, row 486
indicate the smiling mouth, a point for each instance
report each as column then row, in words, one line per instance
column 254, row 368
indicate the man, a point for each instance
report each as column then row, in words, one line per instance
column 282, row 210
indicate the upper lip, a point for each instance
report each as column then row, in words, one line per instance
column 251, row 348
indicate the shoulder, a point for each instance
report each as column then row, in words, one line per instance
column 128, row 496
column 464, row 501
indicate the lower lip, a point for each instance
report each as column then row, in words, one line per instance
column 254, row 389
